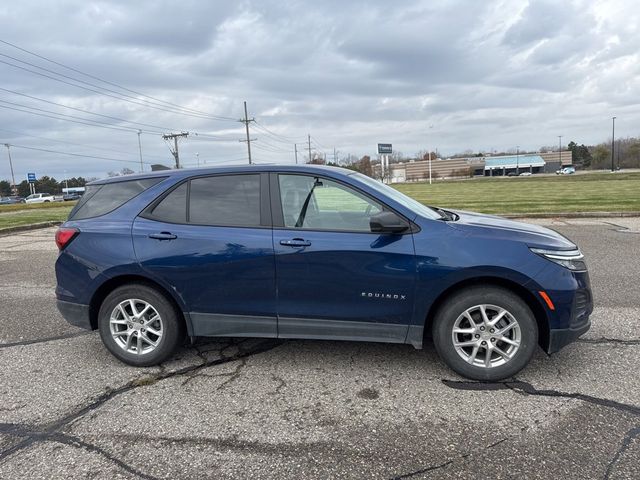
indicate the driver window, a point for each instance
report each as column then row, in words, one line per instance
column 319, row 204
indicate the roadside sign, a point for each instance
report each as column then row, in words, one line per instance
column 385, row 148
column 31, row 177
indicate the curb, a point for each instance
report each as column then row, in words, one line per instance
column 570, row 215
column 33, row 226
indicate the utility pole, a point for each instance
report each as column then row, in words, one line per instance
column 309, row 143
column 613, row 137
column 560, row 149
column 295, row 149
column 13, row 180
column 246, row 120
column 174, row 137
column 140, row 150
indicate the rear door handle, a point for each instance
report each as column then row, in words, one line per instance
column 295, row 242
column 163, row 236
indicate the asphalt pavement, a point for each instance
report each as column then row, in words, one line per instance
column 257, row 408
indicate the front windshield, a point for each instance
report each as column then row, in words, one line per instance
column 399, row 197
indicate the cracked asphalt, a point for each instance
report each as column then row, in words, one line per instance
column 256, row 408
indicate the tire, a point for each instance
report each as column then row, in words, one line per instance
column 160, row 324
column 505, row 359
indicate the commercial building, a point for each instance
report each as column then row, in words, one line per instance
column 418, row 170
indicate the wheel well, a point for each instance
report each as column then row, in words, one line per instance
column 110, row 285
column 531, row 301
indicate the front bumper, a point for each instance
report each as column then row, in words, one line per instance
column 558, row 338
column 75, row 313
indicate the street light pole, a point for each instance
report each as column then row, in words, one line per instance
column 613, row 137
column 13, row 180
column 140, row 150
column 560, row 149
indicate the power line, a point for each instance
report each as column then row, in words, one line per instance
column 74, row 154
column 103, row 93
column 65, row 115
column 112, row 127
column 83, row 111
column 284, row 138
column 320, row 144
column 154, row 99
column 74, row 143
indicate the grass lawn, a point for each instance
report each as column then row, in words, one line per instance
column 591, row 192
column 21, row 214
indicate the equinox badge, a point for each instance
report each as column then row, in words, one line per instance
column 388, row 296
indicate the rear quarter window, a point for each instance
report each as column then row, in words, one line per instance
column 102, row 199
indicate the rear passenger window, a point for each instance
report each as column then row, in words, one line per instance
column 173, row 208
column 101, row 199
column 232, row 200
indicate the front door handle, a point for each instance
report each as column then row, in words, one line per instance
column 295, row 242
column 163, row 236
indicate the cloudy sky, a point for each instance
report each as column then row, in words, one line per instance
column 451, row 75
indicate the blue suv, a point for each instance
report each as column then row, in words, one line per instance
column 312, row 252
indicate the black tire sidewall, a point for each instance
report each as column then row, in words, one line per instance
column 171, row 337
column 455, row 305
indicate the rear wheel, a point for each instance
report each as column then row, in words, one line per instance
column 139, row 326
column 485, row 333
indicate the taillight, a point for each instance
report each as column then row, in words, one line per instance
column 64, row 235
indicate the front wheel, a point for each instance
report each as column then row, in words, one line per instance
column 485, row 333
column 139, row 326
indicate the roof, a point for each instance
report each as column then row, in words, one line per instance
column 513, row 161
column 187, row 172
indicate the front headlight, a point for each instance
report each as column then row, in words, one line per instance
column 571, row 259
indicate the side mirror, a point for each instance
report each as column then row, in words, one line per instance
column 387, row 222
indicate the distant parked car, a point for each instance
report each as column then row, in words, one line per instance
column 566, row 171
column 68, row 197
column 11, row 200
column 525, row 174
column 40, row 198
column 512, row 174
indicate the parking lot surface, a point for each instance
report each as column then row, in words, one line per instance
column 256, row 408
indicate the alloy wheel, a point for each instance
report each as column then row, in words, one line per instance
column 486, row 336
column 136, row 326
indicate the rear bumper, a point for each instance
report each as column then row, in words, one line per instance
column 558, row 338
column 75, row 313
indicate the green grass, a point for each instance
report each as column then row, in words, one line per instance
column 593, row 192
column 22, row 214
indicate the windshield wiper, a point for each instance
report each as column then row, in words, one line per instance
column 444, row 216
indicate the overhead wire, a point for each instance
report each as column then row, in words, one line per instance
column 104, row 93
column 155, row 101
column 84, row 111
column 76, row 154
column 71, row 116
column 122, row 129
column 84, row 145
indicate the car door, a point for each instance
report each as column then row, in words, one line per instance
column 209, row 239
column 335, row 278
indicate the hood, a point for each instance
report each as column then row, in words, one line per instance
column 505, row 229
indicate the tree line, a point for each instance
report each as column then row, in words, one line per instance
column 48, row 184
